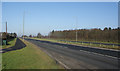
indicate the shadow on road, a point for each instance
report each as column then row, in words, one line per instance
column 18, row 45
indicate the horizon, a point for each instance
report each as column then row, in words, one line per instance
column 65, row 30
column 44, row 17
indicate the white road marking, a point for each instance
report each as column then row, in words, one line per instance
column 1, row 51
column 65, row 47
column 101, row 54
column 85, row 51
column 62, row 64
column 58, row 61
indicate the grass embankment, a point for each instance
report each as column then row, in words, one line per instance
column 10, row 43
column 30, row 57
column 81, row 44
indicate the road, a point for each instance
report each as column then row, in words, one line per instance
column 76, row 58
column 18, row 45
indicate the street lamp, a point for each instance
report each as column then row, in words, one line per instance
column 76, row 29
column 23, row 24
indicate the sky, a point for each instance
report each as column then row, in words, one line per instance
column 44, row 17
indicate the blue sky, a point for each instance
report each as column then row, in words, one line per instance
column 44, row 17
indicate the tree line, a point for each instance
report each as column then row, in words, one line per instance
column 96, row 34
column 4, row 35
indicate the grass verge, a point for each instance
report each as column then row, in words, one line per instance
column 81, row 44
column 30, row 57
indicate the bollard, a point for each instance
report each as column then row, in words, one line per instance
column 5, row 42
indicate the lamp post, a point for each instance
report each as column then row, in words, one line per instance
column 76, row 29
column 23, row 24
column 49, row 33
column 6, row 27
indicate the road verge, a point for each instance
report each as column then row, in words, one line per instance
column 30, row 57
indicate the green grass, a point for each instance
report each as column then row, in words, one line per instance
column 30, row 57
column 80, row 44
column 0, row 61
column 10, row 43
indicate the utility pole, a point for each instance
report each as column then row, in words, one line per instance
column 76, row 29
column 6, row 27
column 6, row 32
column 23, row 24
column 49, row 33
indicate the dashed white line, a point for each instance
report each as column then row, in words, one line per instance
column 100, row 54
column 85, row 51
column 65, row 47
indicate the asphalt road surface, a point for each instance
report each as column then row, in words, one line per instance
column 77, row 58
column 18, row 45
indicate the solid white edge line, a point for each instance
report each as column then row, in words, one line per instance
column 62, row 64
column 57, row 60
